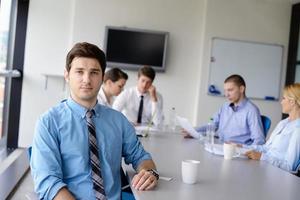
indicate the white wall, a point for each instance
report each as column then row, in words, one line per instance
column 68, row 23
column 55, row 25
column 48, row 38
column 256, row 20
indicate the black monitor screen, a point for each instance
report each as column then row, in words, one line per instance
column 131, row 49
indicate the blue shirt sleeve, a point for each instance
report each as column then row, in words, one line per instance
column 133, row 150
column 256, row 127
column 45, row 161
column 216, row 119
column 291, row 157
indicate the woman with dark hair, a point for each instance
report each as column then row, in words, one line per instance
column 113, row 83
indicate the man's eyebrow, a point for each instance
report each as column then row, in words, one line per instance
column 95, row 69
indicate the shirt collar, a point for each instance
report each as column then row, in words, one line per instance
column 80, row 110
column 240, row 105
column 140, row 94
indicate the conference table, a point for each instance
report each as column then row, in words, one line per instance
column 219, row 179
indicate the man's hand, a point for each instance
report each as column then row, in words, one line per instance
column 185, row 134
column 144, row 180
column 254, row 155
column 152, row 92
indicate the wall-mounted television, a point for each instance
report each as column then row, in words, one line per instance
column 129, row 48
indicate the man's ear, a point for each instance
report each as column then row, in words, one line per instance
column 242, row 89
column 66, row 75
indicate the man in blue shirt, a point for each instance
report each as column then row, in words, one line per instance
column 239, row 119
column 60, row 161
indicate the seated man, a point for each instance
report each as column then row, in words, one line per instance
column 141, row 104
column 239, row 119
column 79, row 144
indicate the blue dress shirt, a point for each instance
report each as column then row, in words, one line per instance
column 240, row 124
column 60, row 150
column 283, row 147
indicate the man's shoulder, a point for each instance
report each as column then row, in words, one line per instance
column 108, row 111
column 128, row 92
column 251, row 106
column 55, row 112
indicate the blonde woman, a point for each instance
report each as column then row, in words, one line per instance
column 113, row 83
column 283, row 147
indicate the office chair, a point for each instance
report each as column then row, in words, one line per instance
column 266, row 121
column 297, row 170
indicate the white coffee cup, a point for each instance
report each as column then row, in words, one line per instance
column 189, row 170
column 230, row 151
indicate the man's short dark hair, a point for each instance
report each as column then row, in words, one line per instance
column 237, row 79
column 114, row 75
column 147, row 71
column 87, row 50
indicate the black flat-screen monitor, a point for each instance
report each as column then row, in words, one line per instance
column 129, row 48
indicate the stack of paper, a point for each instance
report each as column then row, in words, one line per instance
column 186, row 125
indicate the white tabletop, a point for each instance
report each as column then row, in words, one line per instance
column 220, row 179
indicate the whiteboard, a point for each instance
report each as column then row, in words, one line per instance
column 259, row 64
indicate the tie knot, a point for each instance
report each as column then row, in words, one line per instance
column 89, row 114
column 142, row 96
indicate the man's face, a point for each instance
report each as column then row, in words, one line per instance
column 144, row 83
column 85, row 79
column 233, row 92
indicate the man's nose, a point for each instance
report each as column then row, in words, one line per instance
column 86, row 77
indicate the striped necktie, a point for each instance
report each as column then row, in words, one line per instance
column 94, row 158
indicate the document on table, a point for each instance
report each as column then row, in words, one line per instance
column 185, row 124
column 217, row 149
column 142, row 128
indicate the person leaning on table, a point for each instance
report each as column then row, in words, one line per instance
column 283, row 147
column 142, row 104
column 78, row 145
column 113, row 83
column 238, row 120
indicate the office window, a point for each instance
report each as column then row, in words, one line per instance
column 293, row 63
column 5, row 16
column 13, row 24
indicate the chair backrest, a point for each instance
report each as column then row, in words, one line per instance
column 29, row 152
column 297, row 170
column 266, row 121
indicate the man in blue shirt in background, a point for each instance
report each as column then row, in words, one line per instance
column 238, row 120
column 61, row 149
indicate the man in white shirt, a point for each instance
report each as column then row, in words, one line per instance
column 141, row 104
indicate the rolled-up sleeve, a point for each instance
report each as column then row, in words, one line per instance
column 45, row 161
column 133, row 150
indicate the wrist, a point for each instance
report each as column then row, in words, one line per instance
column 154, row 172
